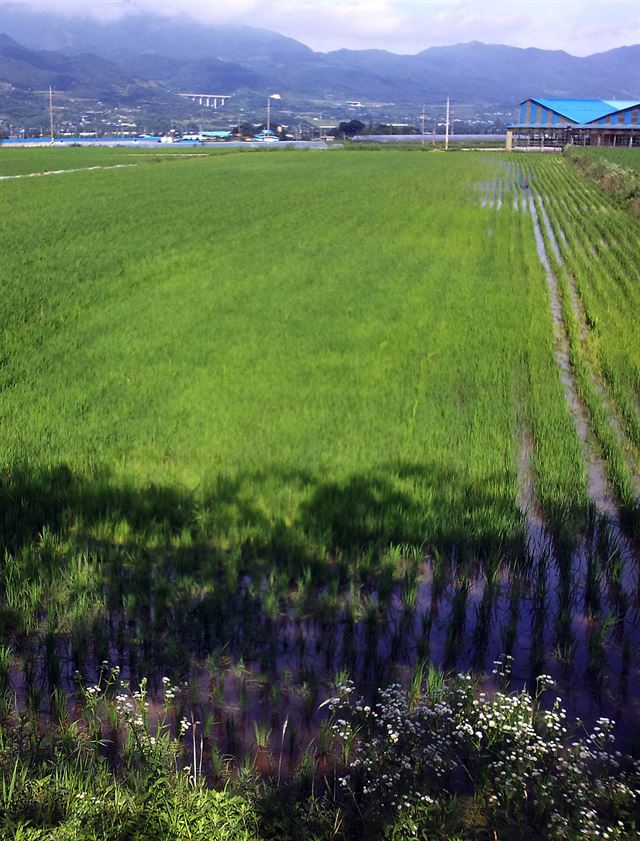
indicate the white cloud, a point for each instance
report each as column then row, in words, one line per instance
column 577, row 26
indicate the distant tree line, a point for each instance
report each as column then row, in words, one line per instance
column 354, row 127
column 351, row 128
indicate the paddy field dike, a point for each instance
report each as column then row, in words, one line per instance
column 273, row 420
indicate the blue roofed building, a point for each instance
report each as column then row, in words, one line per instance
column 266, row 136
column 554, row 123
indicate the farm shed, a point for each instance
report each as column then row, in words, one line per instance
column 554, row 123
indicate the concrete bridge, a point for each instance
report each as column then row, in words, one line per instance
column 208, row 100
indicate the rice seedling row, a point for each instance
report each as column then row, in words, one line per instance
column 593, row 349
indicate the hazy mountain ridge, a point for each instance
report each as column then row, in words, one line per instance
column 498, row 73
column 140, row 56
column 25, row 75
column 178, row 37
column 89, row 74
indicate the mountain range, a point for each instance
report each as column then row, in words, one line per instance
column 150, row 59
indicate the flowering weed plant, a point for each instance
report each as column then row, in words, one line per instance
column 517, row 761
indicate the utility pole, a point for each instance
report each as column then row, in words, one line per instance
column 422, row 141
column 446, row 131
column 51, row 112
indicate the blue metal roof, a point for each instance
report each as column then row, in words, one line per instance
column 567, row 126
column 621, row 104
column 583, row 111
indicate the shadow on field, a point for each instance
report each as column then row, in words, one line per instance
column 152, row 576
column 284, row 569
column 395, row 503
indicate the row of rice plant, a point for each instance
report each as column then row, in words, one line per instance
column 604, row 334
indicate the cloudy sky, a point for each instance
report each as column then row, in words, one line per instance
column 404, row 26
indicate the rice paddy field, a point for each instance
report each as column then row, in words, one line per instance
column 275, row 420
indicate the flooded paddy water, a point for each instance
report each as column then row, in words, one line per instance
column 281, row 654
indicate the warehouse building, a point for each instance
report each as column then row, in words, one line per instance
column 555, row 123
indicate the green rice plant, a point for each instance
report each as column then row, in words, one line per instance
column 371, row 616
column 340, row 678
column 427, row 623
column 308, row 692
column 305, row 771
column 262, row 734
column 270, row 606
column 410, row 590
column 509, row 632
column 231, row 732
column 385, row 582
column 595, row 648
column 217, row 691
column 564, row 633
column 242, row 694
column 5, row 665
column 592, row 359
column 440, row 572
column 220, row 763
column 593, row 585
column 398, row 175
column 59, row 706
column 434, row 683
column 275, row 697
column 417, row 680
column 457, row 620
column 484, row 615
column 539, row 609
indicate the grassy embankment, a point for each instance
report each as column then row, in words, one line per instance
column 617, row 171
column 625, row 157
